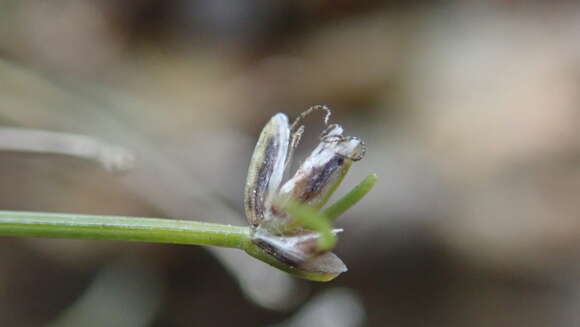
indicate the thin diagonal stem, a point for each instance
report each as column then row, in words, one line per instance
column 351, row 198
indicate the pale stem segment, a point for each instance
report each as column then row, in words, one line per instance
column 111, row 157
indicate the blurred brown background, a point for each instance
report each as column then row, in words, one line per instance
column 470, row 110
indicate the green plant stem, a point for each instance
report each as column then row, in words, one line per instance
column 33, row 224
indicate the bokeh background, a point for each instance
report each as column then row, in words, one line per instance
column 471, row 113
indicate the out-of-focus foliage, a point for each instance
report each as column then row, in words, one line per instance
column 470, row 111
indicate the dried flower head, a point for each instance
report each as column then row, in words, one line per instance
column 284, row 214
